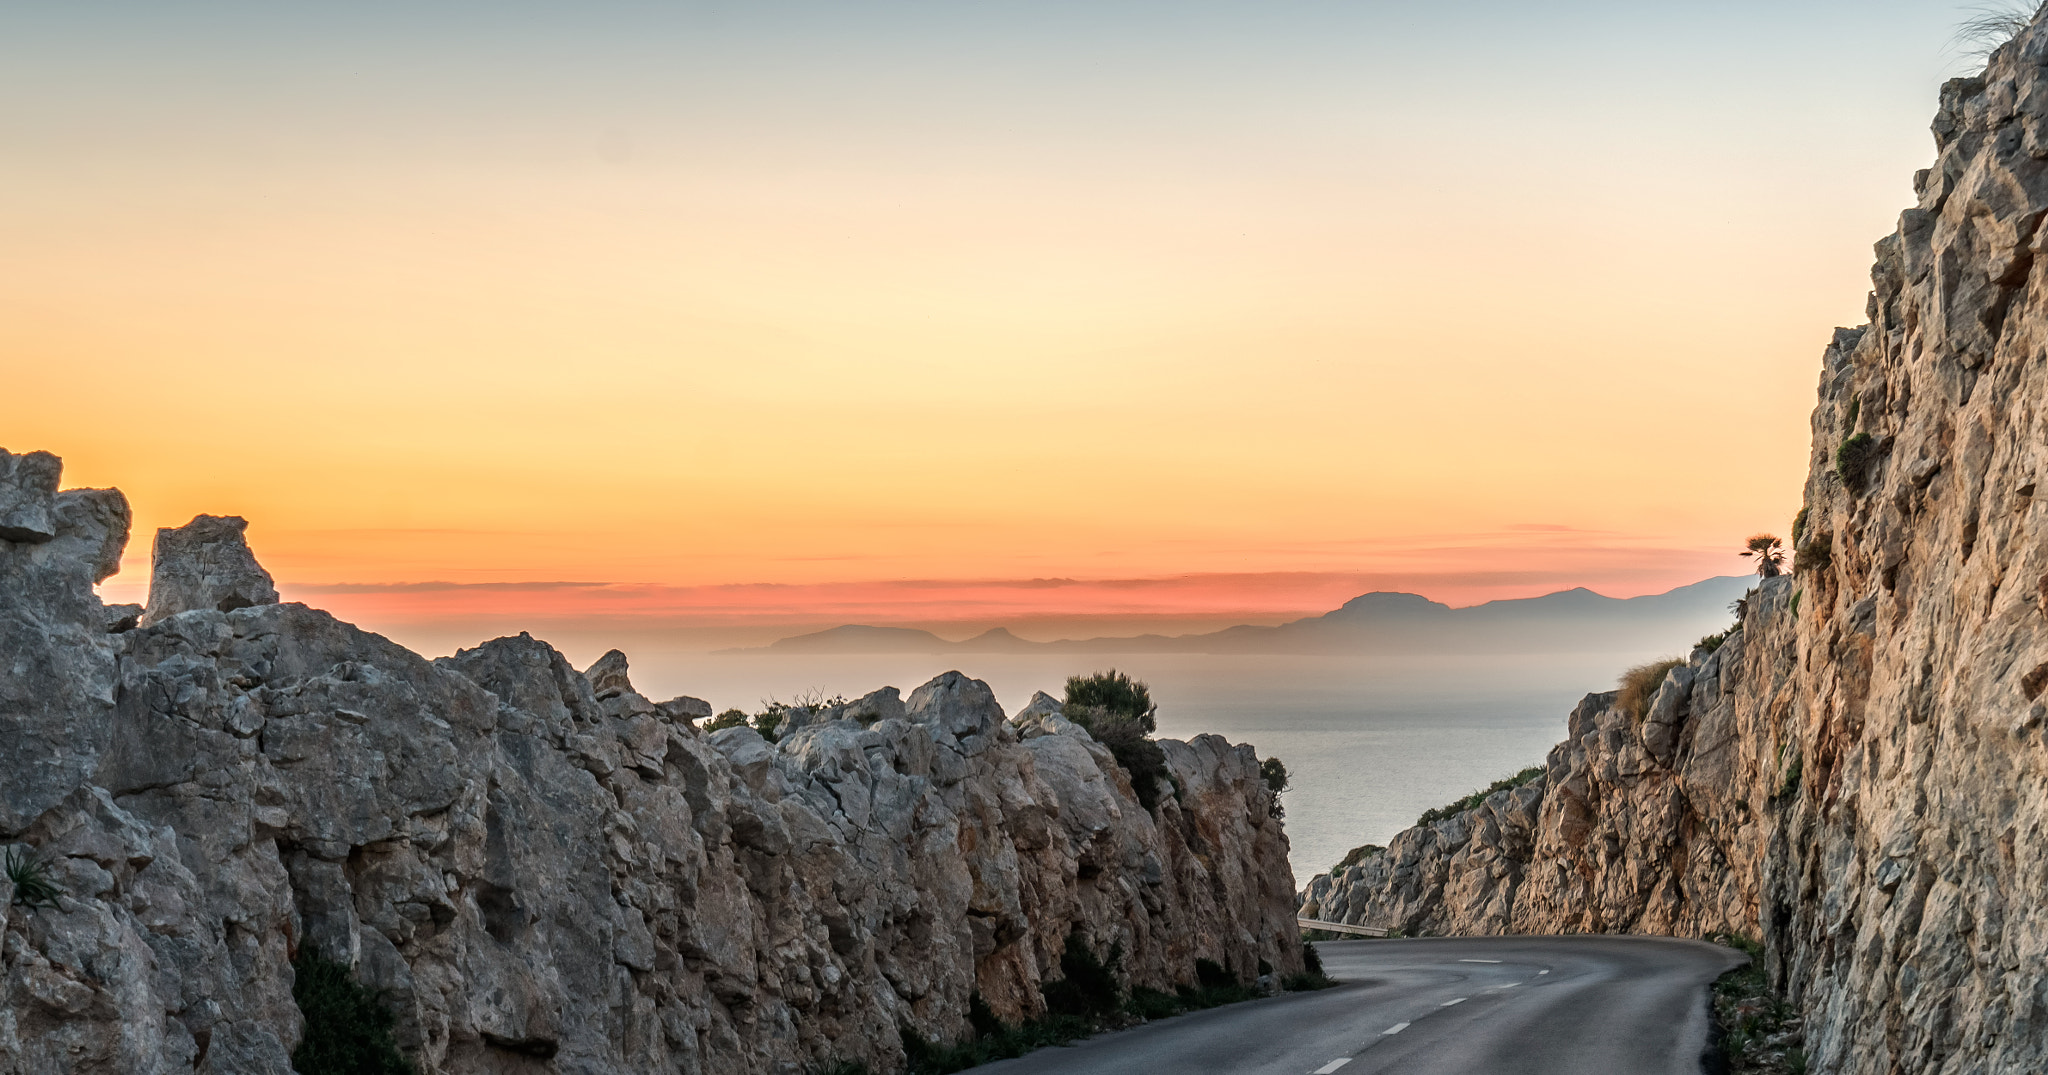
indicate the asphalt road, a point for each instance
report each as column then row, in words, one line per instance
column 1450, row 1006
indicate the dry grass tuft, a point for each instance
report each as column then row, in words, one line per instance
column 1640, row 683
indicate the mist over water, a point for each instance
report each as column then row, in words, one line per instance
column 1371, row 742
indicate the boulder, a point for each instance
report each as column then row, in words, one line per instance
column 28, row 493
column 206, row 564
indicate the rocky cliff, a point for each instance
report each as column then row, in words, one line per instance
column 1860, row 774
column 541, row 869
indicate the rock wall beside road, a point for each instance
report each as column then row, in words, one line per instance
column 1860, row 775
column 541, row 869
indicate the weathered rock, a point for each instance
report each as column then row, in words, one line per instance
column 206, row 564
column 28, row 493
column 57, row 674
column 684, row 709
column 608, row 675
column 545, row 873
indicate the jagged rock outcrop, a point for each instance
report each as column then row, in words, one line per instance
column 1655, row 822
column 541, row 869
column 1860, row 775
column 205, row 564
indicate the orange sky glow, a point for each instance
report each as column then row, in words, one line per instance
column 1159, row 347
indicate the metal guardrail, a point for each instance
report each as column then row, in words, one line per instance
column 1343, row 927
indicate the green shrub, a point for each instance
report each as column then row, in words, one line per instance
column 30, row 876
column 1798, row 526
column 1817, row 554
column 1113, row 691
column 1147, row 1003
column 1853, row 459
column 1312, row 975
column 1749, row 1017
column 1639, row 685
column 1274, row 772
column 1789, row 785
column 1710, row 643
column 981, row 1017
column 348, row 1028
column 1430, row 817
column 1359, row 854
column 1130, row 746
column 731, row 718
column 1086, row 998
column 1087, row 987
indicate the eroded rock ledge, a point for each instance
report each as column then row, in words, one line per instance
column 1860, row 774
column 543, row 869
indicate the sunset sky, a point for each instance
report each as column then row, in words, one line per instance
column 723, row 315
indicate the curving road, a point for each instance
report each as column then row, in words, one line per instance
column 1449, row 1006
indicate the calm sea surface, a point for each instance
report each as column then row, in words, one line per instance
column 1370, row 742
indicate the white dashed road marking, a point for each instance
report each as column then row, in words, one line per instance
column 1448, row 1003
column 1333, row 1065
column 1395, row 1029
column 1543, row 972
column 1479, row 961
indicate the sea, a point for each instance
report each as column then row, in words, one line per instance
column 1369, row 742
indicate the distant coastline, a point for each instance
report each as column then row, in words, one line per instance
column 1377, row 623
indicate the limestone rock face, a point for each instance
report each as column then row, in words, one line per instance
column 541, row 869
column 1859, row 775
column 28, row 493
column 206, row 564
column 57, row 675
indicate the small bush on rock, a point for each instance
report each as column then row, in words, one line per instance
column 731, row 718
column 30, row 876
column 1853, row 459
column 1087, row 986
column 1817, row 554
column 1639, row 685
column 1430, row 817
column 1274, row 772
column 1132, row 748
column 348, row 1029
column 1115, row 692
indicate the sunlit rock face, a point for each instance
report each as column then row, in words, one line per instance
column 1860, row 775
column 541, row 869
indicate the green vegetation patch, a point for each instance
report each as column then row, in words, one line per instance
column 1087, row 997
column 1506, row 783
column 1852, row 460
column 1118, row 694
column 1274, row 772
column 27, row 871
column 1119, row 712
column 1755, row 1031
column 348, row 1027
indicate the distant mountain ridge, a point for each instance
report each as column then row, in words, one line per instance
column 1568, row 621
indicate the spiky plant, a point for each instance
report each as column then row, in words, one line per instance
column 30, row 876
column 1991, row 26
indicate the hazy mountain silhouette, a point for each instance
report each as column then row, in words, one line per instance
column 1570, row 621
